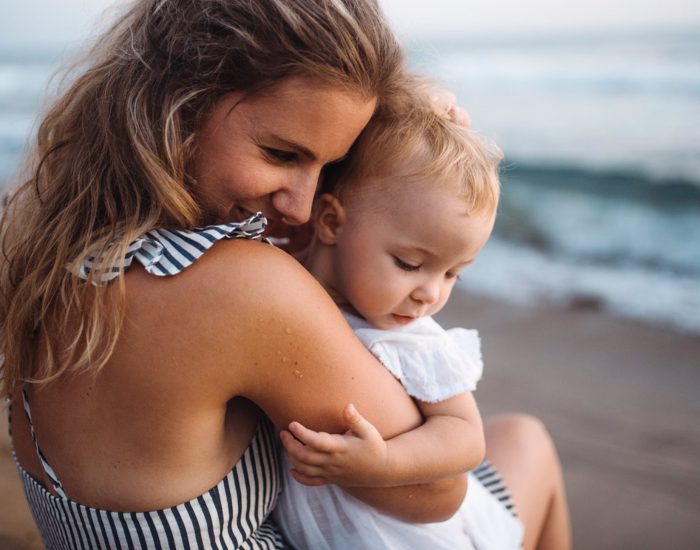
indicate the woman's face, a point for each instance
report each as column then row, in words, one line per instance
column 265, row 153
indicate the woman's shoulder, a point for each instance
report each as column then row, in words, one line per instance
column 243, row 271
column 230, row 278
column 218, row 318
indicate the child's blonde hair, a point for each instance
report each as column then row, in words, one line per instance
column 409, row 139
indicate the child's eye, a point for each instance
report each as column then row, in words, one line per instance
column 405, row 265
column 279, row 155
column 452, row 275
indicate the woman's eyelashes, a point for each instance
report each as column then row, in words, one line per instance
column 279, row 155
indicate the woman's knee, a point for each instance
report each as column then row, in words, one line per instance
column 525, row 435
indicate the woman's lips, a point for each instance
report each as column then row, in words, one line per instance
column 239, row 214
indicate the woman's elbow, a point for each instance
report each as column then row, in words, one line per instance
column 444, row 499
column 478, row 451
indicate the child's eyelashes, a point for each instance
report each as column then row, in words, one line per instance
column 405, row 265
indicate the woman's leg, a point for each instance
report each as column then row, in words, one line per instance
column 521, row 449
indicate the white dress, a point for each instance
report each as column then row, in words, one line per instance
column 433, row 364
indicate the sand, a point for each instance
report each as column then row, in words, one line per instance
column 621, row 400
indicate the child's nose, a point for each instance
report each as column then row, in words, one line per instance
column 426, row 293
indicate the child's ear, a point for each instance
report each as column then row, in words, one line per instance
column 330, row 217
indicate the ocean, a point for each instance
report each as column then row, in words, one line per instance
column 601, row 176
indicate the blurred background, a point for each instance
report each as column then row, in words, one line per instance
column 592, row 277
column 596, row 105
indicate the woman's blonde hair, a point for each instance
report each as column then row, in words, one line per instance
column 113, row 153
column 410, row 140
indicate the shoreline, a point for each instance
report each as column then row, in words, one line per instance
column 619, row 398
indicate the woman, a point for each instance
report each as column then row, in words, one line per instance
column 146, row 392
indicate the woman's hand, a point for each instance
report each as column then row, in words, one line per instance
column 359, row 457
column 444, row 103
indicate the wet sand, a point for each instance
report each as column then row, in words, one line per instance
column 621, row 400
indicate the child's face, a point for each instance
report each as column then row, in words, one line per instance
column 400, row 250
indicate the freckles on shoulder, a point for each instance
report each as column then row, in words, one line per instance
column 241, row 276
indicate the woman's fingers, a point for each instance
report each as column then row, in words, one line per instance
column 442, row 100
column 444, row 103
column 459, row 116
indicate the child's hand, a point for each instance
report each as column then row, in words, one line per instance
column 356, row 458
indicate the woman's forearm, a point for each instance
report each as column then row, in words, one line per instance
column 423, row 503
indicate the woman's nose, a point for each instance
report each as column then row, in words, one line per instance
column 294, row 201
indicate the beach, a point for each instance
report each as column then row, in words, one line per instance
column 621, row 402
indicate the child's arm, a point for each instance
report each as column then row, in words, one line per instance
column 449, row 442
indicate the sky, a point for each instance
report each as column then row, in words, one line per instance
column 65, row 23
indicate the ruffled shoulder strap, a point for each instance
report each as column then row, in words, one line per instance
column 165, row 252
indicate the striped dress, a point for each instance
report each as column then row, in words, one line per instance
column 233, row 514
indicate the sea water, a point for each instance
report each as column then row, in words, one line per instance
column 601, row 175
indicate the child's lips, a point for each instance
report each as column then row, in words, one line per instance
column 402, row 319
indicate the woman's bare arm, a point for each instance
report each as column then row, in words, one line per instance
column 281, row 342
column 450, row 442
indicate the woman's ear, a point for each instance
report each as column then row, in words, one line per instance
column 330, row 217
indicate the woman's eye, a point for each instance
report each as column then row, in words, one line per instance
column 279, row 155
column 405, row 265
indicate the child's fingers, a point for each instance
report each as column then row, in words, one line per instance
column 307, row 470
column 306, row 480
column 356, row 423
column 321, row 441
column 298, row 452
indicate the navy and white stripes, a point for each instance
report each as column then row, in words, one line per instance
column 53, row 478
column 233, row 514
column 490, row 478
column 164, row 252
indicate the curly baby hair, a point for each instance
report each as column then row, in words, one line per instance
column 410, row 140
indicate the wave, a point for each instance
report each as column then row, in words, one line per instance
column 602, row 218
column 622, row 240
column 520, row 275
column 634, row 183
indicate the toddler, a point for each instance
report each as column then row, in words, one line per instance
column 395, row 225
